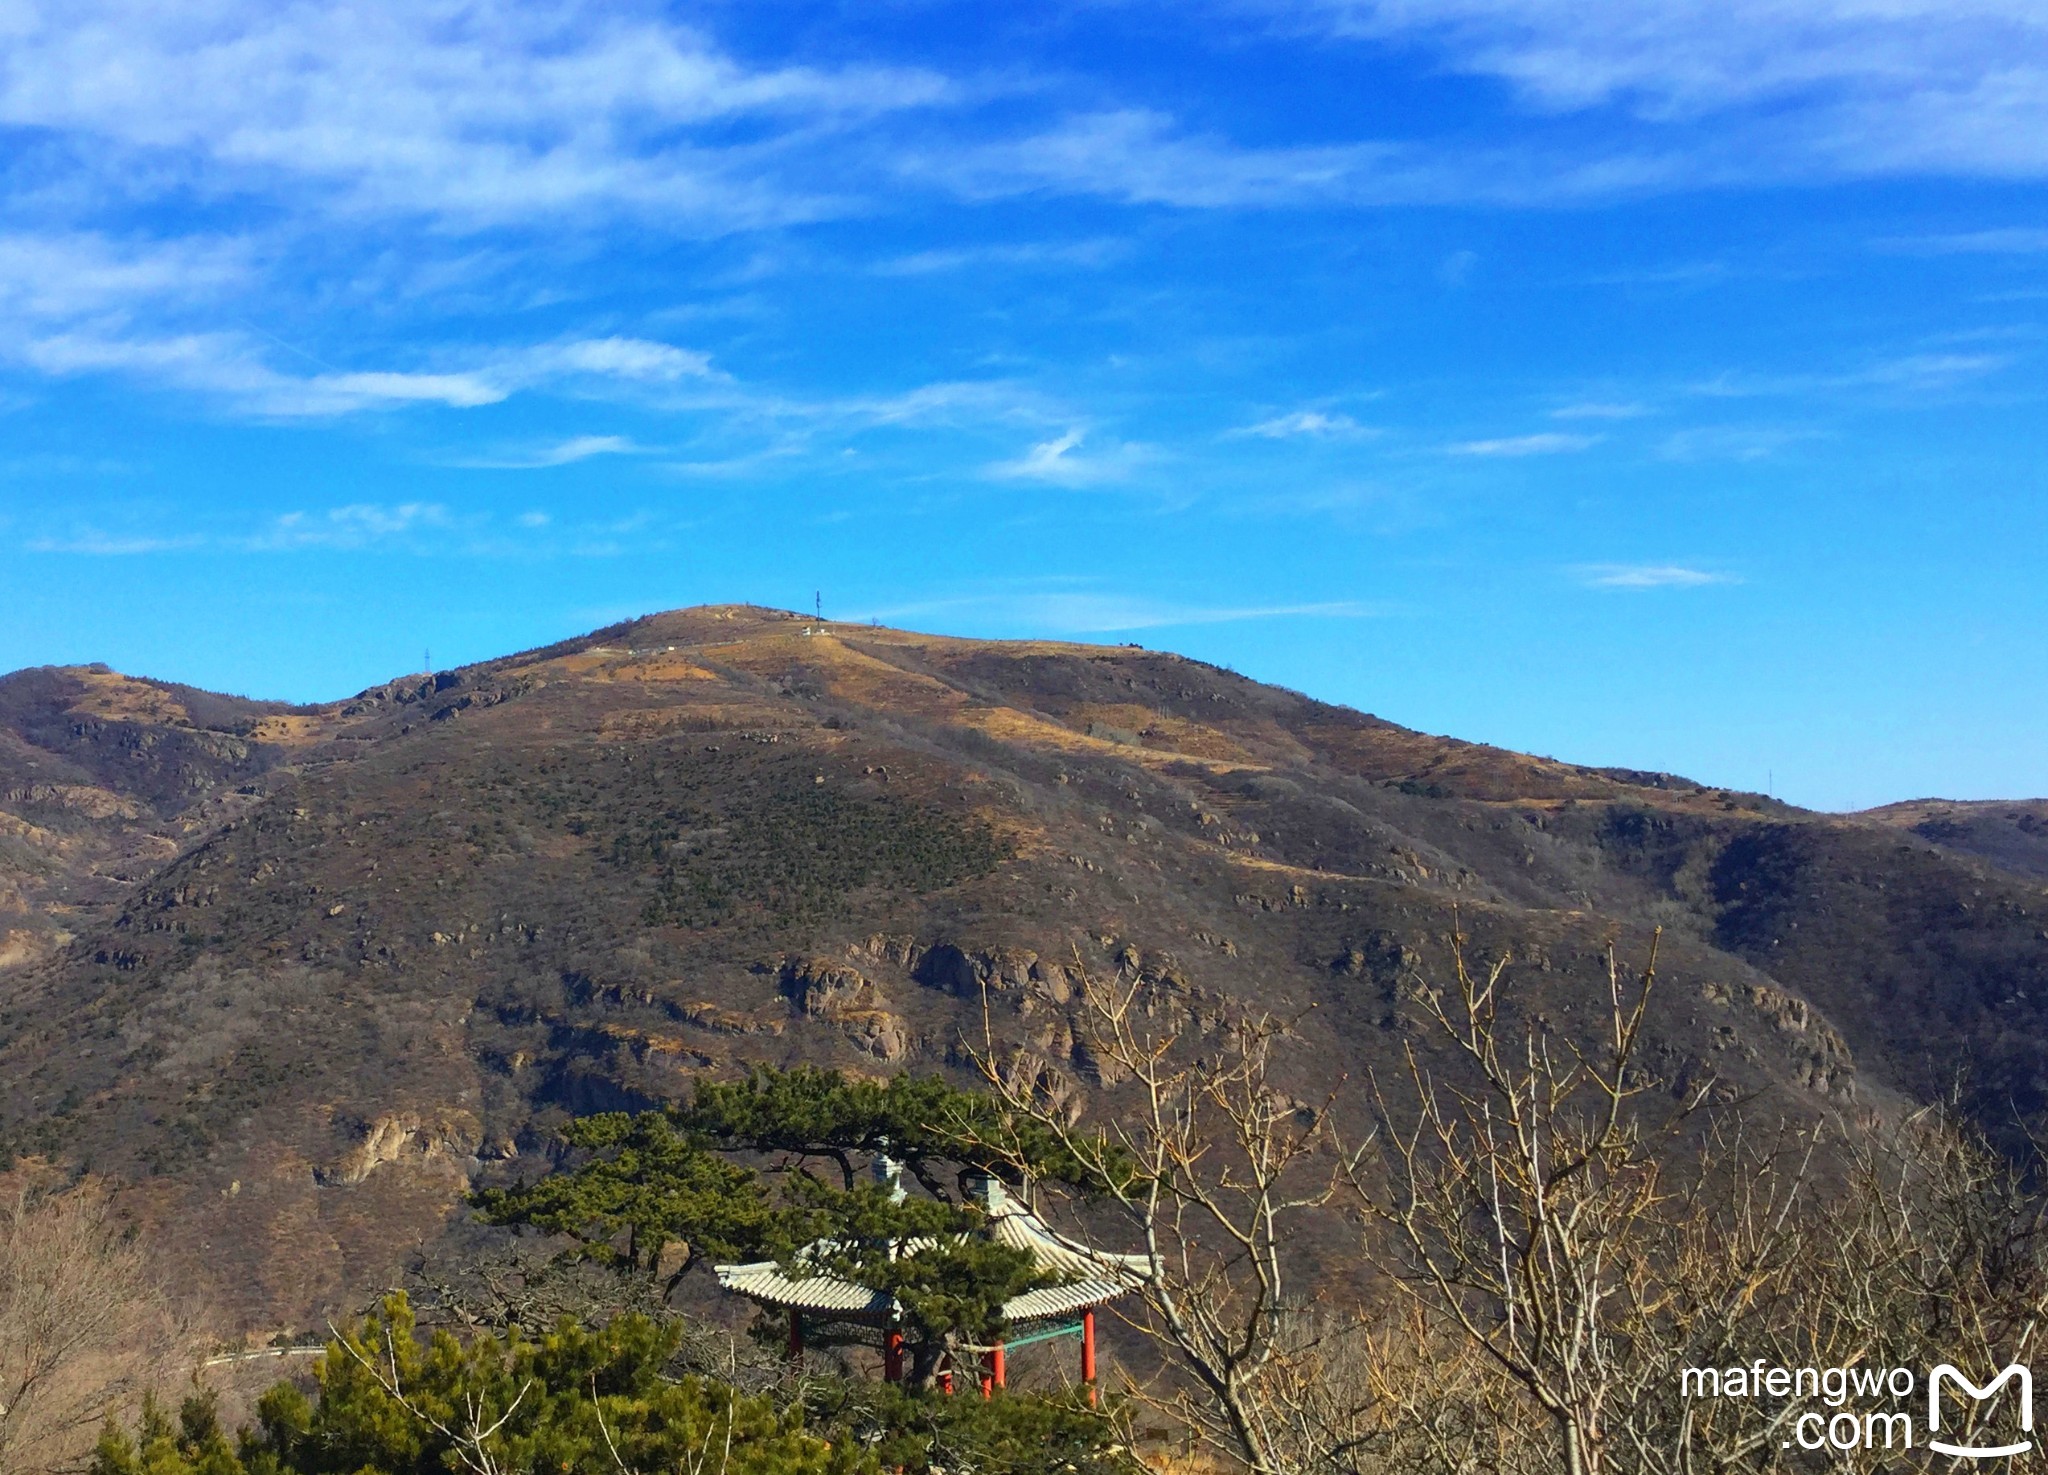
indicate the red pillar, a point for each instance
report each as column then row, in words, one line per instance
column 796, row 1335
column 892, row 1356
column 997, row 1368
column 946, row 1382
column 1088, row 1351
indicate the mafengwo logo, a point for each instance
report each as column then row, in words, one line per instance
column 1866, row 1408
column 1947, row 1374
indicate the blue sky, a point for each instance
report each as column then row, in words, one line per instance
column 1657, row 385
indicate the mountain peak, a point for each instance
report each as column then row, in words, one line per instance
column 358, row 956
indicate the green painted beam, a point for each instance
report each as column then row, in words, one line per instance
column 1072, row 1329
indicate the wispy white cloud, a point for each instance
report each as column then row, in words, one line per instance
column 1680, row 274
column 731, row 468
column 1647, row 576
column 948, row 402
column 1142, row 156
column 239, row 367
column 1543, row 443
column 1061, row 462
column 461, row 391
column 1913, row 373
column 1600, row 410
column 418, row 528
column 1313, row 424
column 1094, row 253
column 65, row 464
column 353, row 526
column 1933, row 371
column 224, row 362
column 1732, row 442
column 470, row 111
column 637, row 359
column 98, row 544
column 2008, row 241
column 233, row 366
column 1139, row 155
column 1855, row 86
column 357, row 525
column 561, row 453
column 64, row 274
column 1049, row 460
column 1082, row 612
column 1754, row 91
column 475, row 113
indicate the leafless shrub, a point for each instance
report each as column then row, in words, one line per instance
column 1215, row 1170
column 1556, row 1235
column 1569, row 1246
column 84, row 1329
column 1539, row 1216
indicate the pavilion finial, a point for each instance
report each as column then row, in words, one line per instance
column 889, row 1173
column 987, row 1193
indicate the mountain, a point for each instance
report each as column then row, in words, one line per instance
column 301, row 975
column 2011, row 836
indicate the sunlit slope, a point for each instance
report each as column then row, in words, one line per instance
column 356, row 956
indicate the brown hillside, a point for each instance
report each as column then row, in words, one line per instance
column 2012, row 835
column 303, row 974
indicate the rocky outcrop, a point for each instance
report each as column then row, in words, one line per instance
column 965, row 974
column 405, row 1137
column 822, row 989
column 884, row 950
column 20, row 945
column 1821, row 1056
column 880, row 1033
column 818, row 988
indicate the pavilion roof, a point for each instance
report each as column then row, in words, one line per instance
column 1092, row 1277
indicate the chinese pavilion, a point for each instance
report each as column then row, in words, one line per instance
column 1088, row 1279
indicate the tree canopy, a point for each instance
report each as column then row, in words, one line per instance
column 596, row 1401
column 933, row 1128
column 643, row 1186
column 733, row 1175
column 576, row 1401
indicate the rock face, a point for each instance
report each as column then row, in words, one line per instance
column 303, row 974
column 826, row 990
column 407, row 1139
column 823, row 990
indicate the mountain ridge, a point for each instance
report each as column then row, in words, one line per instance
column 303, row 973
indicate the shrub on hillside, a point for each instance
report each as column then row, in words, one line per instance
column 577, row 1401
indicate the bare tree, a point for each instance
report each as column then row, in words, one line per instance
column 1572, row 1236
column 1531, row 1208
column 1557, row 1236
column 1935, row 1249
column 1216, row 1170
column 84, row 1329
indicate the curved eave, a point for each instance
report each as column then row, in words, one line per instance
column 1066, row 1300
column 766, row 1282
column 1092, row 1277
column 1022, row 1230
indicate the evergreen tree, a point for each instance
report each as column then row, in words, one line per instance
column 577, row 1401
column 933, row 1128
column 667, row 1178
column 644, row 1186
